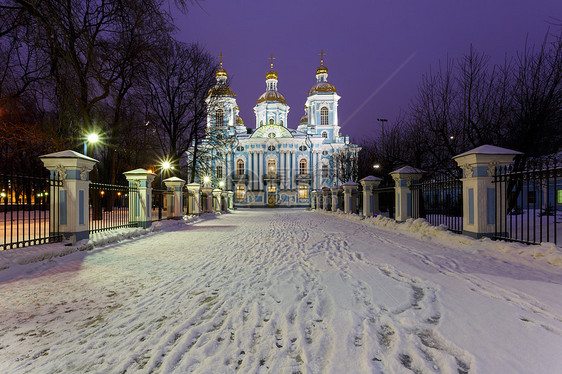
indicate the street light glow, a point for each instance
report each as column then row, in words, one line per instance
column 166, row 165
column 92, row 138
column 376, row 166
column 206, row 179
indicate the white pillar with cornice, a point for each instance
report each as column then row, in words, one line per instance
column 140, row 196
column 174, row 200
column 194, row 203
column 403, row 178
column 313, row 203
column 217, row 203
column 73, row 169
column 326, row 198
column 478, row 190
column 350, row 197
column 370, row 199
column 336, row 195
column 207, row 202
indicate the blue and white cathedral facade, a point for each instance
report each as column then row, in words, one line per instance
column 272, row 164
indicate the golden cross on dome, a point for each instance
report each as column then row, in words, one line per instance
column 271, row 58
column 221, row 56
column 322, row 53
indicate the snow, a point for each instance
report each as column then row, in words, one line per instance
column 489, row 150
column 282, row 291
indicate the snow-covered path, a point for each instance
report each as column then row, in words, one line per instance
column 282, row 291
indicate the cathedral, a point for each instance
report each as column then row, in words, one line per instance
column 272, row 164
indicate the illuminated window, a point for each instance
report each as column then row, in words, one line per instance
column 324, row 134
column 271, row 167
column 324, row 116
column 240, row 167
column 303, row 192
column 219, row 117
column 325, row 171
column 240, row 192
column 303, row 167
column 271, row 188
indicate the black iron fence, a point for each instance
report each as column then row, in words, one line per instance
column 438, row 199
column 26, row 210
column 158, row 204
column 109, row 207
column 528, row 201
column 387, row 201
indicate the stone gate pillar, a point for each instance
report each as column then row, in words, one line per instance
column 194, row 202
column 313, row 203
column 478, row 191
column 350, row 197
column 174, row 201
column 326, row 198
column 70, row 209
column 336, row 195
column 140, row 196
column 370, row 198
column 403, row 178
column 217, row 203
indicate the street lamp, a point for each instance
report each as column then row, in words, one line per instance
column 164, row 167
column 206, row 181
column 382, row 121
column 90, row 138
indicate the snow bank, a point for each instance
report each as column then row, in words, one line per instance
column 37, row 253
column 547, row 252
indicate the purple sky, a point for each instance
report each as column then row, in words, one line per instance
column 376, row 50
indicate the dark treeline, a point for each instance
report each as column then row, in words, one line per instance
column 468, row 102
column 113, row 67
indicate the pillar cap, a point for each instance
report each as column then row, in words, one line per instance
column 139, row 171
column 489, row 150
column 173, row 180
column 371, row 178
column 69, row 154
column 350, row 183
column 408, row 170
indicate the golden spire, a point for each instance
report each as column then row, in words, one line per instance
column 322, row 69
column 322, row 53
column 220, row 71
column 272, row 74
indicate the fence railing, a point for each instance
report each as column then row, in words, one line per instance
column 529, row 202
column 158, row 204
column 387, row 201
column 438, row 199
column 26, row 216
column 109, row 207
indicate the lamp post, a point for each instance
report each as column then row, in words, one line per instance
column 382, row 121
column 90, row 138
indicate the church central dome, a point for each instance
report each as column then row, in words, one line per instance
column 322, row 87
column 272, row 96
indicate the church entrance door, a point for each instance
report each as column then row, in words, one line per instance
column 271, row 196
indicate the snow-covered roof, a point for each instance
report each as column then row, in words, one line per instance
column 408, row 170
column 489, row 150
column 68, row 154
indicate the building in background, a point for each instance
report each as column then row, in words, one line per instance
column 272, row 164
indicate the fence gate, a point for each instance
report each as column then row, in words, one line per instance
column 438, row 199
column 27, row 210
column 529, row 201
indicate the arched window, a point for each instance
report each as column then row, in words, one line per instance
column 219, row 117
column 240, row 167
column 281, row 122
column 240, row 192
column 271, row 167
column 261, row 122
column 303, row 167
column 271, row 121
column 324, row 116
column 325, row 134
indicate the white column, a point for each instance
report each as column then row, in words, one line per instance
column 174, row 200
column 283, row 174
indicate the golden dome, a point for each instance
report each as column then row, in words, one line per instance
column 272, row 96
column 239, row 120
column 322, row 70
column 221, row 72
column 221, row 90
column 322, row 87
column 272, row 74
column 304, row 119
